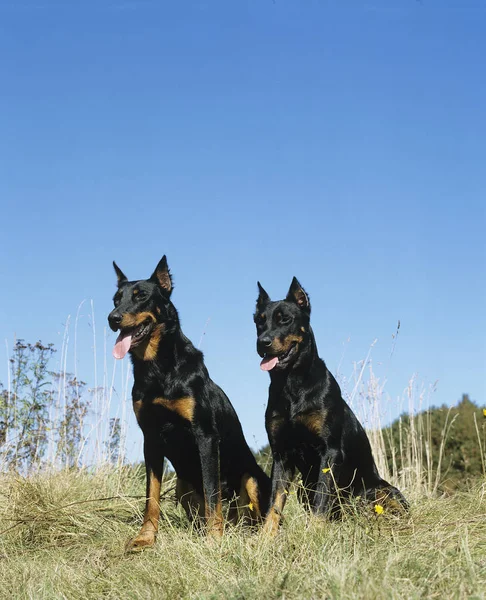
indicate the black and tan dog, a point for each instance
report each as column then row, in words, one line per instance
column 183, row 414
column 310, row 427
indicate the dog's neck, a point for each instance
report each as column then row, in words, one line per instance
column 174, row 350
column 307, row 363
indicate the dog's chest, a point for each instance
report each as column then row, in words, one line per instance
column 297, row 425
column 165, row 414
column 168, row 424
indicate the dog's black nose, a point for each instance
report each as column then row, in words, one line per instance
column 114, row 320
column 265, row 342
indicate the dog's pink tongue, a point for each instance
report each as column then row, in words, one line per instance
column 122, row 345
column 268, row 363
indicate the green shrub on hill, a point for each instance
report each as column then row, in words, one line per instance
column 452, row 441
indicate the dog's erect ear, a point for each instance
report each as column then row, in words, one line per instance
column 162, row 276
column 298, row 295
column 120, row 275
column 263, row 297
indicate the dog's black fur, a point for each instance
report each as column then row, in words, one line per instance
column 183, row 414
column 310, row 427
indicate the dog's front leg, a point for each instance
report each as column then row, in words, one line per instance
column 282, row 474
column 326, row 482
column 209, row 453
column 154, row 466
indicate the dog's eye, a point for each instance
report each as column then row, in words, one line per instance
column 285, row 320
column 141, row 296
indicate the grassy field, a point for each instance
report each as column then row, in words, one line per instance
column 63, row 536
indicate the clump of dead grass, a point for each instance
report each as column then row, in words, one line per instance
column 64, row 534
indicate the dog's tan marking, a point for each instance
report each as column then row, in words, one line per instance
column 152, row 511
column 298, row 293
column 147, row 349
column 313, row 421
column 274, row 516
column 274, row 424
column 137, row 407
column 153, row 344
column 134, row 319
column 251, row 487
column 148, row 532
column 135, row 292
column 247, row 506
column 385, row 498
column 281, row 346
column 184, row 407
column 290, row 339
column 214, row 517
column 163, row 277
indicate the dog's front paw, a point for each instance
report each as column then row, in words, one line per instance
column 145, row 539
column 215, row 529
column 271, row 525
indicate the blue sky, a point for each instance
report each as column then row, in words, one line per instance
column 341, row 142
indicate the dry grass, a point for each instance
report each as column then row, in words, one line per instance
column 63, row 533
column 63, row 536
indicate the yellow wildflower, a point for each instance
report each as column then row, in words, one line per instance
column 250, row 506
column 484, row 412
column 326, row 470
column 379, row 509
column 286, row 491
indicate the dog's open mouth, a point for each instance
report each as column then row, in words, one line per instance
column 129, row 338
column 269, row 361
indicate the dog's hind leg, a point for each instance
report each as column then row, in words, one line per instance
column 389, row 497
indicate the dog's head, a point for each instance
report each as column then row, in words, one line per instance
column 143, row 313
column 282, row 327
